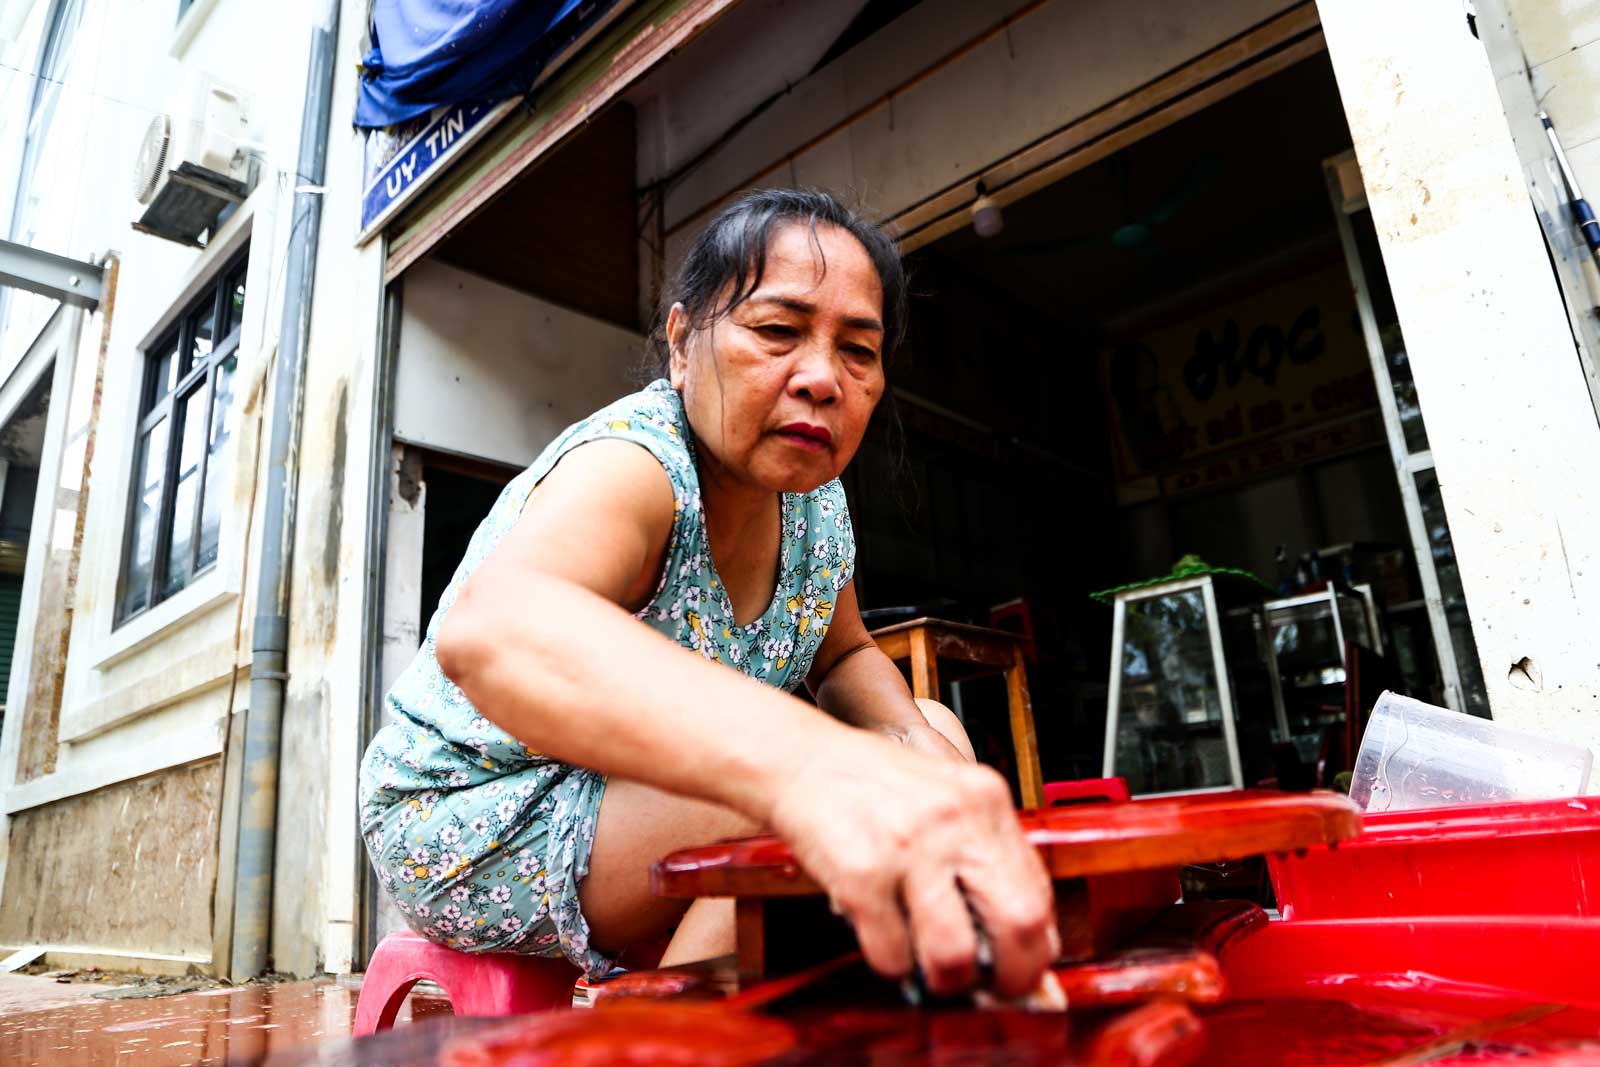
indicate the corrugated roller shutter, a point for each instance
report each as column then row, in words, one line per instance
column 10, row 607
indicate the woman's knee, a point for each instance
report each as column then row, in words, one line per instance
column 944, row 720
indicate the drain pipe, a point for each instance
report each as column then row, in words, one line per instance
column 258, row 801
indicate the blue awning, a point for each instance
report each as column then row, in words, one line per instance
column 434, row 53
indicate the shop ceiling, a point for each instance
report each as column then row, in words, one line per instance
column 567, row 227
column 1236, row 185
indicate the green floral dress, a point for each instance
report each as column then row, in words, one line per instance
column 481, row 841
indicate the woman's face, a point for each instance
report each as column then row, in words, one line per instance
column 779, row 390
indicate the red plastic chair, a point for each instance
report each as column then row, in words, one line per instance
column 1086, row 791
column 480, row 984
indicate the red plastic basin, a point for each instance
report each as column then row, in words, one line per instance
column 1533, row 959
column 1524, row 858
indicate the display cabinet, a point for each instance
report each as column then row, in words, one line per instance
column 1307, row 637
column 1192, row 706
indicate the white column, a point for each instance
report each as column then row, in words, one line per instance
column 1508, row 414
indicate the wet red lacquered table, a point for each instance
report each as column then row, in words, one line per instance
column 1115, row 868
column 1074, row 842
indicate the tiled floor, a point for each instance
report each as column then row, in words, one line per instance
column 43, row 1024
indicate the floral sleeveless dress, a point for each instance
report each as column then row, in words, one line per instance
column 480, row 840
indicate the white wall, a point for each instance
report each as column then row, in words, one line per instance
column 121, row 74
column 1546, row 56
column 1561, row 42
column 492, row 372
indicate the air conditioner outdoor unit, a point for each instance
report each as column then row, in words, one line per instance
column 191, row 166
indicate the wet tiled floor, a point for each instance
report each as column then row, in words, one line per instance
column 239, row 1026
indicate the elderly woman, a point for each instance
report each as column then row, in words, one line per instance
column 608, row 677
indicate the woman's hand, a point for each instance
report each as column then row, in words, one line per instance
column 914, row 852
column 920, row 737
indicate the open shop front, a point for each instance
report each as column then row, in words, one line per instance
column 1167, row 356
column 1178, row 344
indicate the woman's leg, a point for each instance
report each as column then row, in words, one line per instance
column 706, row 932
column 944, row 720
column 637, row 826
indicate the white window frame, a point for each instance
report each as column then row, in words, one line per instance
column 168, row 407
column 109, row 645
column 188, row 26
column 1407, row 464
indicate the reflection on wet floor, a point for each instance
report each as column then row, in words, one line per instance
column 238, row 1026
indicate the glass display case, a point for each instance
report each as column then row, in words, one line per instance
column 1192, row 705
column 1307, row 636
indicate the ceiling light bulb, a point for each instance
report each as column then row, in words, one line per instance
column 986, row 218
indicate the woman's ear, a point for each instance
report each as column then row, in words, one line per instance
column 677, row 345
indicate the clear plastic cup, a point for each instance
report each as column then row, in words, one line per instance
column 1415, row 755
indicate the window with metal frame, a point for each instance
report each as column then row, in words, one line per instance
column 185, row 420
column 54, row 54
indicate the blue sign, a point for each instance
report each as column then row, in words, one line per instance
column 401, row 159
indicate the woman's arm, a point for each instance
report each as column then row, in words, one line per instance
column 540, row 643
column 856, row 683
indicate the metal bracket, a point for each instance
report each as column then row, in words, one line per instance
column 70, row 281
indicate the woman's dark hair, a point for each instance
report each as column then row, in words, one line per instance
column 730, row 256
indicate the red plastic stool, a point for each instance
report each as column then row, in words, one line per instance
column 482, row 984
column 1085, row 791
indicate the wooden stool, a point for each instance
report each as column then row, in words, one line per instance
column 975, row 651
column 486, row 984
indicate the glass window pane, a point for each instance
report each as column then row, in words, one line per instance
column 1394, row 346
column 1256, row 721
column 1169, row 714
column 222, row 419
column 1474, row 698
column 163, row 373
column 148, row 466
column 233, row 304
column 1353, row 619
column 180, row 550
column 200, row 323
column 1311, row 672
column 1306, row 644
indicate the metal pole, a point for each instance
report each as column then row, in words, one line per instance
column 258, row 803
column 1219, row 661
column 1582, row 213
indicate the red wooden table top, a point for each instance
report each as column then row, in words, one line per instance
column 1075, row 842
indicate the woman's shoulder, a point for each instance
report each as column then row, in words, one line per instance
column 655, row 407
column 826, row 506
column 823, row 528
column 651, row 418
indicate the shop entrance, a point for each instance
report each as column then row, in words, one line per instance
column 1167, row 354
